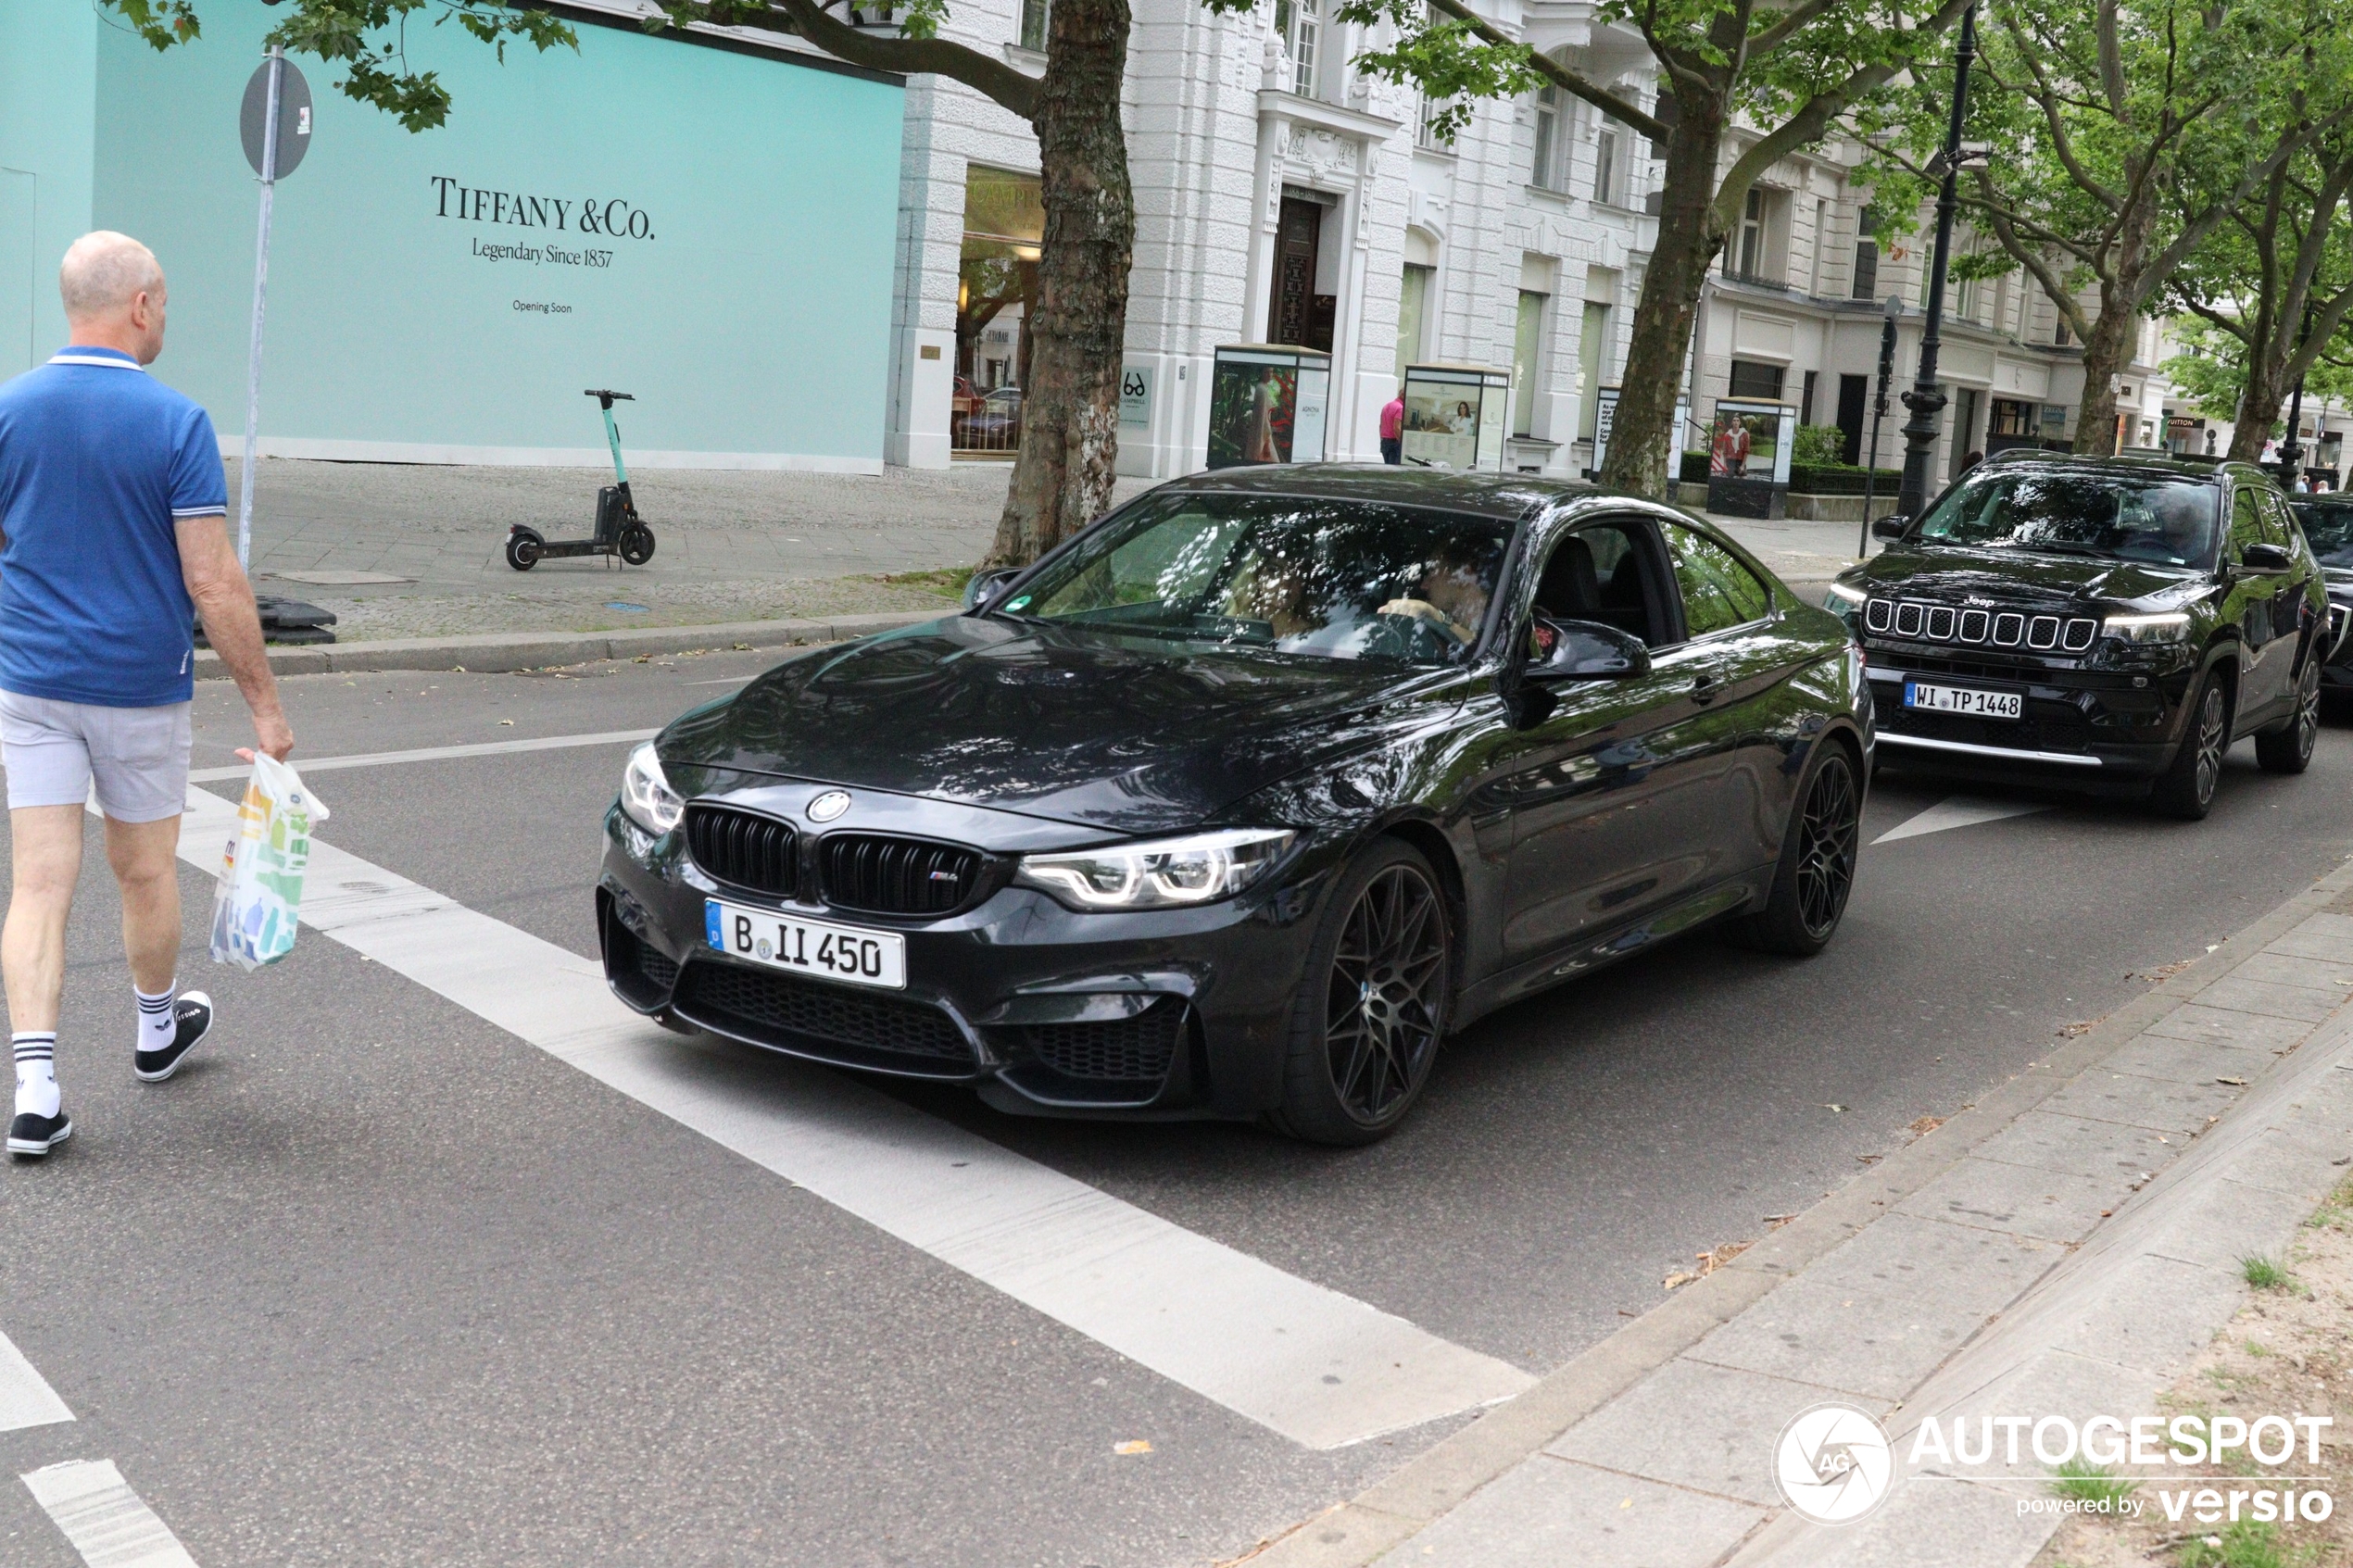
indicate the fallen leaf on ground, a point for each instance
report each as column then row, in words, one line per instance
column 1133, row 1446
column 1920, row 1126
column 2234, row 1083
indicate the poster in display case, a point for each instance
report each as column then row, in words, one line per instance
column 1456, row 416
column 1749, row 445
column 1267, row 404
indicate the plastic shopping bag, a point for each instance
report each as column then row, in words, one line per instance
column 259, row 895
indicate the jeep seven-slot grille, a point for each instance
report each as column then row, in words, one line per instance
column 1918, row 622
column 884, row 874
column 744, row 848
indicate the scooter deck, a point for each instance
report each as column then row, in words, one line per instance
column 577, row 548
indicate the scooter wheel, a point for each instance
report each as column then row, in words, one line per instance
column 524, row 547
column 638, row 546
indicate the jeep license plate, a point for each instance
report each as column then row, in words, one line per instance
column 1963, row 699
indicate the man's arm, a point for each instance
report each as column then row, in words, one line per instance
column 224, row 600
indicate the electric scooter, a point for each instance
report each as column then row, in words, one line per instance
column 620, row 531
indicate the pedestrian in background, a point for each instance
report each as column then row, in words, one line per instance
column 1393, row 429
column 115, row 512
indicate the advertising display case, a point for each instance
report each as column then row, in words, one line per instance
column 1456, row 416
column 1267, row 404
column 1749, row 445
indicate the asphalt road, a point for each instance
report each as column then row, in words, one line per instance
column 374, row 1280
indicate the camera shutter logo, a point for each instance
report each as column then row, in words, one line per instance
column 828, row 806
column 1834, row 1463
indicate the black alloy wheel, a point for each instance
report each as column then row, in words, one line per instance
column 1374, row 1003
column 2186, row 789
column 1817, row 869
column 2288, row 749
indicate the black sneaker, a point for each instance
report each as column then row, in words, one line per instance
column 31, row 1138
column 193, row 1015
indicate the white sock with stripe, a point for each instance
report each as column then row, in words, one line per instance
column 157, row 1026
column 37, row 1073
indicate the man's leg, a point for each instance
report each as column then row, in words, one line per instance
column 145, row 857
column 44, row 854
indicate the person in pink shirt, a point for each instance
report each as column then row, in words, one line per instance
column 1393, row 429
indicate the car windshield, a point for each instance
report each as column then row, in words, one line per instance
column 2126, row 516
column 1340, row 579
column 2328, row 528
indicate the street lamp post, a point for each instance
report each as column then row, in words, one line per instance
column 1893, row 307
column 1926, row 400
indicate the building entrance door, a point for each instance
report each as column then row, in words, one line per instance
column 1297, row 313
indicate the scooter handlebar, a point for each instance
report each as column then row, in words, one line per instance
column 606, row 399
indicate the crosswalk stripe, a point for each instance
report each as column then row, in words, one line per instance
column 1321, row 1368
column 26, row 1398
column 431, row 754
column 104, row 1518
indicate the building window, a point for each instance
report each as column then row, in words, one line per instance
column 1413, row 309
column 1004, row 223
column 1751, row 378
column 1607, row 163
column 1301, row 24
column 1034, row 14
column 1805, row 399
column 1527, row 345
column 1592, row 353
column 2060, row 336
column 1866, row 256
column 1547, row 167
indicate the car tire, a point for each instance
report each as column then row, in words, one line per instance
column 2288, row 748
column 2186, row 788
column 1374, row 1003
column 524, row 547
column 1816, row 873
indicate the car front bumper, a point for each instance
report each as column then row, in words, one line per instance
column 1159, row 1013
column 2093, row 729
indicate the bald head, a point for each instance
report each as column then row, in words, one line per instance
column 114, row 294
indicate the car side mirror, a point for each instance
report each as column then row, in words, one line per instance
column 2266, row 557
column 1890, row 527
column 1583, row 650
column 982, row 586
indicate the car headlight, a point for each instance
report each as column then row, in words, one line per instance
column 646, row 795
column 1841, row 596
column 2171, row 627
column 1161, row 873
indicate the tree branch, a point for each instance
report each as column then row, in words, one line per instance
column 984, row 74
column 1559, row 75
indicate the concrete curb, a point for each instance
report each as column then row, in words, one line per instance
column 1429, row 1488
column 501, row 653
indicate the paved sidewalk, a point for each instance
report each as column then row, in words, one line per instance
column 2065, row 1247
column 403, row 550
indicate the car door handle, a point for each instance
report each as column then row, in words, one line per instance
column 1703, row 689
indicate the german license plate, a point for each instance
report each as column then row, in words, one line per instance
column 1963, row 699
column 807, row 947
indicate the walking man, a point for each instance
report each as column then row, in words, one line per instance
column 116, row 518
column 1393, row 429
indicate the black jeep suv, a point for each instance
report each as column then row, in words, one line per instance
column 2328, row 528
column 2115, row 623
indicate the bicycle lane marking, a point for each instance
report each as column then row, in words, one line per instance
column 1316, row 1366
column 95, row 1507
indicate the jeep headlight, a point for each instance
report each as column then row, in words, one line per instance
column 646, row 795
column 2171, row 627
column 1159, row 873
column 1846, row 604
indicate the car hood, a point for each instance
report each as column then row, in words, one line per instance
column 1126, row 734
column 2024, row 579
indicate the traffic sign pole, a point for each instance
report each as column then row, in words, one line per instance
column 277, row 69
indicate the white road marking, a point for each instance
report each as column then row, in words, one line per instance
column 1958, row 812
column 725, row 681
column 104, row 1518
column 1318, row 1367
column 430, row 754
column 26, row 1398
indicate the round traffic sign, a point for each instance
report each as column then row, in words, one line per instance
column 293, row 118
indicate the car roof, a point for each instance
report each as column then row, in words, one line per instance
column 2140, row 468
column 1509, row 497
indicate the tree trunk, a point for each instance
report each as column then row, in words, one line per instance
column 1078, row 320
column 2106, row 353
column 2258, row 411
column 1643, row 441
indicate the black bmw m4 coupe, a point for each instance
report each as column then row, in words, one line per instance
column 1241, row 801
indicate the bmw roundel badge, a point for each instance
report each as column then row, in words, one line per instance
column 828, row 806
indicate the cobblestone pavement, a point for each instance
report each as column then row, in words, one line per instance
column 404, row 550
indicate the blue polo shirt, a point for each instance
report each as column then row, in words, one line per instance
column 97, row 461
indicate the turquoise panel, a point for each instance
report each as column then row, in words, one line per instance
column 49, row 107
column 709, row 230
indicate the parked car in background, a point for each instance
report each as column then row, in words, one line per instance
column 2115, row 623
column 2327, row 520
column 1240, row 801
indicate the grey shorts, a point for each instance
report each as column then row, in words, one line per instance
column 138, row 757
